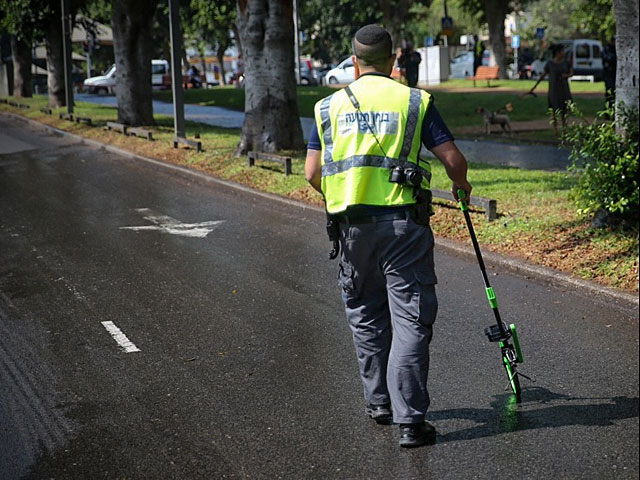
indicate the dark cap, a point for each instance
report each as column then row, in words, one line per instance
column 372, row 44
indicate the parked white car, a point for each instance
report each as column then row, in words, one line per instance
column 584, row 55
column 102, row 84
column 106, row 84
column 344, row 73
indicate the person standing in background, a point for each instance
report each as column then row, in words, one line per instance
column 409, row 62
column 559, row 96
column 478, row 51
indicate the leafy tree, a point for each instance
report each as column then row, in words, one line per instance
column 331, row 25
column 494, row 12
column 394, row 15
column 98, row 11
column 211, row 24
column 25, row 24
column 426, row 21
column 33, row 20
column 271, row 121
column 594, row 19
column 572, row 18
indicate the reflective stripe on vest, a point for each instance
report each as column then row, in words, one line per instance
column 333, row 168
column 326, row 129
column 413, row 116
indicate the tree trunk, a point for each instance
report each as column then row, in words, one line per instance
column 132, row 46
column 626, row 13
column 394, row 13
column 236, row 37
column 185, row 59
column 55, row 59
column 495, row 12
column 220, row 56
column 22, row 59
column 271, row 121
column 203, row 71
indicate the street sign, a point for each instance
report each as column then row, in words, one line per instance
column 515, row 41
column 540, row 33
column 447, row 26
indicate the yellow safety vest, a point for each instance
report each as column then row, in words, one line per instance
column 355, row 169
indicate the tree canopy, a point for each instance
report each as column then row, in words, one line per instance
column 572, row 19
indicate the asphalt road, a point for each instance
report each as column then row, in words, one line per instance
column 234, row 359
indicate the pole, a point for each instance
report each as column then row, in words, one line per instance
column 296, row 43
column 89, row 49
column 66, row 51
column 446, row 15
column 515, row 50
column 34, row 70
column 176, row 71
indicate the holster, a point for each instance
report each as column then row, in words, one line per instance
column 333, row 230
column 422, row 210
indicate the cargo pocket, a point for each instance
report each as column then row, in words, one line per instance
column 428, row 300
column 346, row 280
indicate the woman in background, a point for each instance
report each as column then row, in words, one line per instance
column 559, row 96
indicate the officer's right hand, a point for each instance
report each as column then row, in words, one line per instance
column 466, row 186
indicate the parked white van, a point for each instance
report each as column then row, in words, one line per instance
column 105, row 84
column 584, row 55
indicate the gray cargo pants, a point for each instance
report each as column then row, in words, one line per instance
column 388, row 288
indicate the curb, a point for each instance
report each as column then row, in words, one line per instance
column 544, row 274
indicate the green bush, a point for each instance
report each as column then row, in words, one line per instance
column 606, row 162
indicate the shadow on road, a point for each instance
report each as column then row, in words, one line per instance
column 534, row 412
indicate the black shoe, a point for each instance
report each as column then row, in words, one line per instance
column 417, row 434
column 380, row 413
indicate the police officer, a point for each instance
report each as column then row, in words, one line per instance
column 363, row 157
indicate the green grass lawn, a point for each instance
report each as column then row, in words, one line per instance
column 457, row 108
column 536, row 221
column 520, row 85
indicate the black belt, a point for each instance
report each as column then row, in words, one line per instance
column 385, row 217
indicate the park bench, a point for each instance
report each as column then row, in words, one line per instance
column 192, row 143
column 490, row 206
column 141, row 132
column 66, row 116
column 286, row 161
column 86, row 120
column 118, row 127
column 18, row 105
column 485, row 73
column 578, row 78
column 167, row 80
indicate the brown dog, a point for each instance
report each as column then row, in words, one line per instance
column 495, row 118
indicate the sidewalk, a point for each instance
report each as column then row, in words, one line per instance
column 530, row 157
column 215, row 116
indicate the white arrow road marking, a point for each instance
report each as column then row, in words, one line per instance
column 167, row 224
column 120, row 337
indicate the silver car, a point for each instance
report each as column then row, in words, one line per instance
column 462, row 64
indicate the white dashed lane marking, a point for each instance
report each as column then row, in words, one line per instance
column 122, row 340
